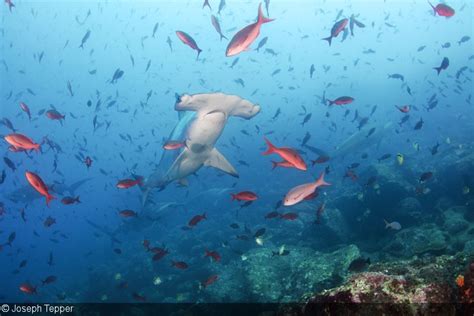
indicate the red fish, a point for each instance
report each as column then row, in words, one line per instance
column 55, row 115
column 159, row 253
column 172, row 145
column 246, row 36
column 128, row 183
column 210, row 280
column 68, row 200
column 289, row 216
column 49, row 222
column 179, row 264
column 271, row 215
column 337, row 28
column 244, row 196
column 19, row 141
column 425, row 176
column 351, row 174
column 10, row 4
column 38, row 184
column 188, row 40
column 342, row 101
column 284, row 164
column 28, row 288
column 88, row 162
column 213, row 254
column 196, row 219
column 298, row 193
column 312, row 196
column 128, row 213
column 403, row 109
column 320, row 159
column 139, row 298
column 25, row 109
column 13, row 149
column 157, row 250
column 288, row 154
column 442, row 10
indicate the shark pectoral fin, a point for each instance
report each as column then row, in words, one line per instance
column 183, row 182
column 217, row 160
column 174, row 170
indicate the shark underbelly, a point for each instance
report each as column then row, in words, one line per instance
column 205, row 130
column 200, row 141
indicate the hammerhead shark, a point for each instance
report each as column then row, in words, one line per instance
column 200, row 126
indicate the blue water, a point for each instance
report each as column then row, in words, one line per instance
column 84, row 260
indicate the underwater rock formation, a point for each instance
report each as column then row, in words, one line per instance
column 410, row 209
column 453, row 220
column 417, row 240
column 465, row 284
column 410, row 287
column 265, row 277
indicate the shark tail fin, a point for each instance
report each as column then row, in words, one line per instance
column 217, row 160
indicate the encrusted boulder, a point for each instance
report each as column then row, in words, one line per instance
column 469, row 247
column 418, row 240
column 410, row 287
column 410, row 209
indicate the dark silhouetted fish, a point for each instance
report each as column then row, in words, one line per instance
column 221, row 6
column 262, row 42
column 359, row 264
column 444, row 65
column 336, row 29
column 85, row 38
column 217, row 26
column 117, row 75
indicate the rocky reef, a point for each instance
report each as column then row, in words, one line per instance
column 420, row 286
column 263, row 276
